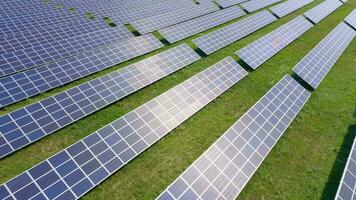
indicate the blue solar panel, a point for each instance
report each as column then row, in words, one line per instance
column 28, row 124
column 51, row 51
column 31, row 82
column 322, row 10
column 77, row 169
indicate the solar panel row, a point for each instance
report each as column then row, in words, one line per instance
column 48, row 52
column 322, row 10
column 220, row 38
column 157, row 22
column 253, row 5
column 34, row 81
column 317, row 63
column 25, row 39
column 77, row 169
column 226, row 167
column 351, row 19
column 186, row 29
column 259, row 51
column 347, row 186
column 289, row 6
column 26, row 125
column 228, row 3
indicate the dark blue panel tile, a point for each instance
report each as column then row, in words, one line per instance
column 106, row 131
column 74, row 177
column 112, row 139
column 66, row 168
column 91, row 139
column 47, row 179
column 165, row 196
column 4, row 150
column 106, row 156
column 91, row 166
column 55, row 190
column 36, row 135
column 27, row 192
column 40, row 170
column 13, row 135
column 83, row 157
column 39, row 196
column 3, row 192
column 21, row 142
column 82, row 187
column 68, row 195
column 127, row 155
column 99, row 148
column 59, row 158
column 113, row 165
column 76, row 148
column 98, row 175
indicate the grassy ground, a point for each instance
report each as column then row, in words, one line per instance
column 306, row 163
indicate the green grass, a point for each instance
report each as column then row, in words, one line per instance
column 306, row 163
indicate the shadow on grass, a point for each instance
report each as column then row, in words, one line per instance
column 302, row 82
column 200, row 52
column 337, row 170
column 244, row 65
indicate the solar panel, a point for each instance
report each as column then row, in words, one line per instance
column 322, row 10
column 52, row 51
column 77, row 169
column 314, row 66
column 351, row 19
column 186, row 29
column 259, row 51
column 289, row 6
column 24, row 40
column 228, row 3
column 157, row 22
column 253, row 5
column 27, row 125
column 220, row 38
column 225, row 168
column 347, row 186
column 37, row 80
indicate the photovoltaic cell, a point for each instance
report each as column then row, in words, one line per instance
column 254, row 5
column 77, row 169
column 289, row 6
column 34, row 81
column 157, row 22
column 52, row 51
column 218, row 39
column 226, row 167
column 322, row 10
column 317, row 63
column 186, row 29
column 347, row 186
column 258, row 52
column 228, row 3
column 26, row 125
column 351, row 19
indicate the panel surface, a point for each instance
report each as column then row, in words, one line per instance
column 258, row 52
column 347, row 186
column 200, row 24
column 289, row 6
column 27, row 125
column 34, row 81
column 228, row 3
column 74, row 171
column 226, row 167
column 218, row 39
column 157, row 22
column 317, row 63
column 351, row 19
column 322, row 10
column 254, row 5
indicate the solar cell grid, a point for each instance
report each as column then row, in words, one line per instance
column 71, row 105
column 228, row 3
column 289, row 6
column 317, row 63
column 347, row 186
column 78, row 168
column 48, row 52
column 226, row 167
column 322, row 10
column 25, row 39
column 351, row 19
column 31, row 82
column 259, row 51
column 220, row 38
column 186, row 29
column 157, row 22
column 253, row 5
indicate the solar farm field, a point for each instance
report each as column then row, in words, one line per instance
column 251, row 52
